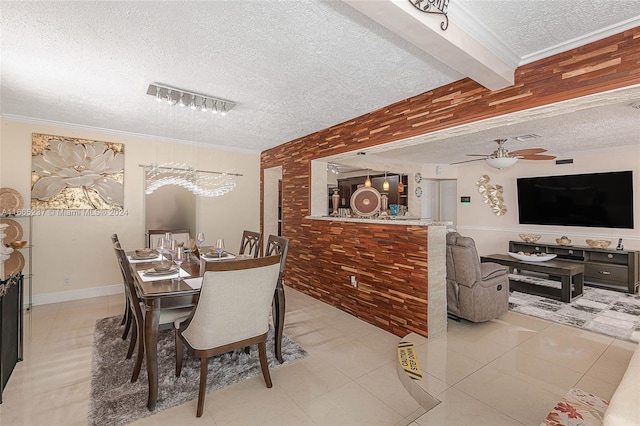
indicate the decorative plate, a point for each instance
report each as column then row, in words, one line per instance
column 366, row 201
column 151, row 256
column 10, row 200
column 215, row 254
column 541, row 257
column 418, row 192
column 224, row 256
column 169, row 271
column 13, row 231
column 418, row 177
column 15, row 263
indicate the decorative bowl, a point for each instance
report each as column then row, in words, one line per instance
column 598, row 243
column 530, row 238
column 161, row 266
column 532, row 257
column 143, row 252
column 18, row 244
column 563, row 241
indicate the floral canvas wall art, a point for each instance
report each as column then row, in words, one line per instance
column 70, row 173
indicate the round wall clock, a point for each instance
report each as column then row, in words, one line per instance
column 418, row 192
column 418, row 177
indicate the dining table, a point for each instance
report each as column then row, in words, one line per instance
column 165, row 292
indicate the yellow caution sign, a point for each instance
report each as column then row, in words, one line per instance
column 409, row 360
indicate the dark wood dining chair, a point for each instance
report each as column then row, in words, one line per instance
column 278, row 245
column 232, row 312
column 167, row 316
column 126, row 316
column 250, row 243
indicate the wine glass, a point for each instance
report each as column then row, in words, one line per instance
column 173, row 244
column 219, row 247
column 178, row 258
column 200, row 240
column 161, row 246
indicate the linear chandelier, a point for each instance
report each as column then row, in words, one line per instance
column 184, row 98
column 200, row 182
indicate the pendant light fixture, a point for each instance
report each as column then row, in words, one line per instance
column 400, row 184
column 367, row 182
column 385, row 184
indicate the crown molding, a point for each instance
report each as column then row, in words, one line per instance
column 582, row 40
column 73, row 126
column 466, row 21
column 482, row 34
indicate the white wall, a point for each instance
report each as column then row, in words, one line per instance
column 79, row 248
column 492, row 233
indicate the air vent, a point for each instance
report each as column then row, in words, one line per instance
column 566, row 161
column 523, row 138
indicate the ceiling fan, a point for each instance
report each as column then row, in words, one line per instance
column 501, row 158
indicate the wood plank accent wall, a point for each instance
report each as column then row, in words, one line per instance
column 392, row 291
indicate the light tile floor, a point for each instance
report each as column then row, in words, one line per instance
column 510, row 371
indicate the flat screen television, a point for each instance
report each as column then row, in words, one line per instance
column 602, row 200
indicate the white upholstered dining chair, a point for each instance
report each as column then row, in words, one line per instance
column 232, row 313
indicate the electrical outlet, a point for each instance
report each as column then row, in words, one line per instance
column 354, row 283
column 66, row 281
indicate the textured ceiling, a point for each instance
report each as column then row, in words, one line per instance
column 292, row 67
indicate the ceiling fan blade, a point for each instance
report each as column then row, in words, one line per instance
column 529, row 151
column 468, row 161
column 476, row 155
column 537, row 157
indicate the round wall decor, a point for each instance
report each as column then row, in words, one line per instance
column 13, row 232
column 418, row 192
column 15, row 263
column 365, row 201
column 418, row 177
column 10, row 200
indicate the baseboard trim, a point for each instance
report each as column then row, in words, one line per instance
column 84, row 293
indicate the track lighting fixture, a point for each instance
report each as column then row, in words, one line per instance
column 180, row 97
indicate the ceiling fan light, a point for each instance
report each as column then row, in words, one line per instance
column 501, row 162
